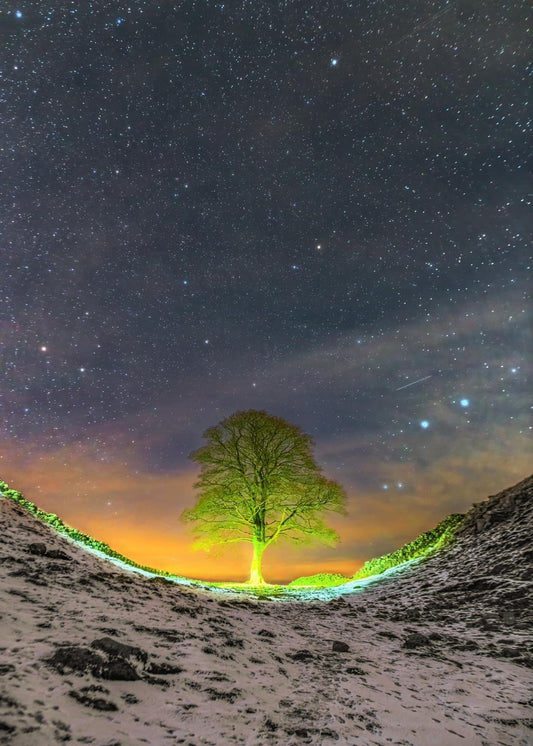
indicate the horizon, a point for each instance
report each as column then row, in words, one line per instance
column 220, row 550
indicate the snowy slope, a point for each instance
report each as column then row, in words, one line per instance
column 437, row 653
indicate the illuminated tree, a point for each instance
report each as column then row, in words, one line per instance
column 259, row 483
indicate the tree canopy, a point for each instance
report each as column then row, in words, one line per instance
column 260, row 483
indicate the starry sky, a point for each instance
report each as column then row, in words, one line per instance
column 319, row 209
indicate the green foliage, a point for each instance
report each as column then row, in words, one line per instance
column 57, row 524
column 423, row 545
column 259, row 483
column 321, row 580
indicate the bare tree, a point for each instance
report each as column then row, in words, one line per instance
column 259, row 483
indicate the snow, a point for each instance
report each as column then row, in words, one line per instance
column 430, row 659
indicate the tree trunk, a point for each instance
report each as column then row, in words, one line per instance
column 256, row 576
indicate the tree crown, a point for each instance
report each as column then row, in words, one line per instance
column 259, row 482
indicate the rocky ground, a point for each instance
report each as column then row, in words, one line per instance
column 438, row 652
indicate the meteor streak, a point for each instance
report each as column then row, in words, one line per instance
column 413, row 383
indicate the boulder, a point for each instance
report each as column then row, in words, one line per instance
column 416, row 640
column 115, row 649
column 37, row 548
column 119, row 670
column 105, row 659
column 75, row 659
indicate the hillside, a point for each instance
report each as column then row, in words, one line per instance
column 435, row 652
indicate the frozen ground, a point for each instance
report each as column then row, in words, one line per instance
column 437, row 653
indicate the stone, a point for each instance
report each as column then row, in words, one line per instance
column 119, row 670
column 416, row 640
column 37, row 548
column 301, row 655
column 340, row 647
column 58, row 554
column 115, row 649
column 75, row 659
column 356, row 671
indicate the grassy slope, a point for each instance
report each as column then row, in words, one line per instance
column 53, row 520
column 426, row 543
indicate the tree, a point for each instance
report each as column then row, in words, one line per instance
column 259, row 483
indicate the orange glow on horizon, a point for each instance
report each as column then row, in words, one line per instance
column 137, row 514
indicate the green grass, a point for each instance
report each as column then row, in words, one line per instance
column 53, row 520
column 425, row 544
column 422, row 546
column 320, row 580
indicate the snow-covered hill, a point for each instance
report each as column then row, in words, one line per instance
column 439, row 652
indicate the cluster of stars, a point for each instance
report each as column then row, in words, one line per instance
column 311, row 209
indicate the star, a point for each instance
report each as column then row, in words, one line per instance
column 286, row 240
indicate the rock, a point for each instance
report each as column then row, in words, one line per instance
column 38, row 549
column 75, row 659
column 58, row 554
column 6, row 668
column 340, row 647
column 416, row 640
column 337, row 603
column 301, row 655
column 356, row 671
column 108, row 659
column 115, row 649
column 120, row 665
column 119, row 670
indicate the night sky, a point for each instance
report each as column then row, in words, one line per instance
column 319, row 209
